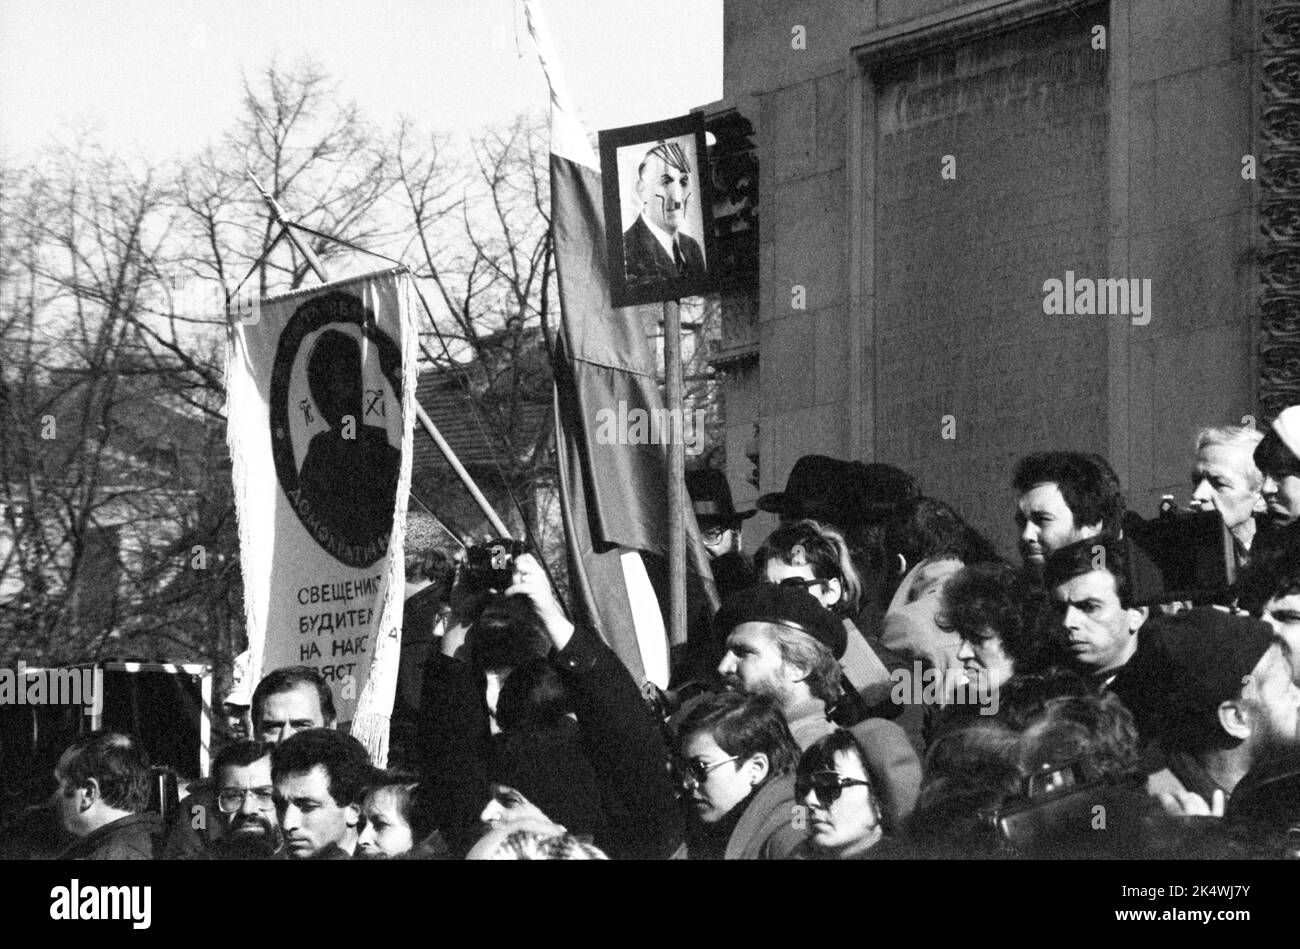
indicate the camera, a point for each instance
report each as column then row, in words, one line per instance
column 1192, row 554
column 488, row 566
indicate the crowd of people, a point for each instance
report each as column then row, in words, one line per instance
column 877, row 683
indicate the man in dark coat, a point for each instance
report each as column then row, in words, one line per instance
column 654, row 247
column 103, row 798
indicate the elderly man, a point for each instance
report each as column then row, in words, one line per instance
column 320, row 777
column 1065, row 497
column 1225, row 479
column 1096, row 623
column 654, row 247
column 1214, row 691
column 290, row 700
column 780, row 641
column 103, row 798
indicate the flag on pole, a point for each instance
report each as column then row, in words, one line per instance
column 613, row 490
column 320, row 390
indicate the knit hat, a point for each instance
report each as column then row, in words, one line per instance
column 1185, row 667
column 790, row 606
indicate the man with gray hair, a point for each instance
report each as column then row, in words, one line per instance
column 1225, row 479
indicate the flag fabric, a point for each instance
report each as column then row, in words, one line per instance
column 320, row 390
column 614, row 490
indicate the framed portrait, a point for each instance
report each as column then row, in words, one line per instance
column 658, row 211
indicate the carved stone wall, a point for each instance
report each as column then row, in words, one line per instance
column 1278, row 151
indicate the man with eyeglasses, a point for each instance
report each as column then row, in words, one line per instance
column 246, row 803
column 720, row 525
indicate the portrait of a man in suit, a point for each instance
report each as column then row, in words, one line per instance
column 655, row 248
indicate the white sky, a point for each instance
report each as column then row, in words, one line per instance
column 158, row 79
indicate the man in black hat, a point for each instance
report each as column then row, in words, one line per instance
column 1213, row 690
column 780, row 641
column 720, row 524
column 844, row 494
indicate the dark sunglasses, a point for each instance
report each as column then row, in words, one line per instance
column 829, row 785
column 697, row 771
column 801, row 582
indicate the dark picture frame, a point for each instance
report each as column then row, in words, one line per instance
column 640, row 268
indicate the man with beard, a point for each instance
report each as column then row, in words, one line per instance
column 245, row 799
column 1214, row 691
column 781, row 642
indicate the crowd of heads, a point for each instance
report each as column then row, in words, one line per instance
column 1109, row 721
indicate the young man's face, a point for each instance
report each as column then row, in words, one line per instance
column 1097, row 632
column 1221, row 481
column 664, row 191
column 245, row 798
column 1283, row 614
column 310, row 818
column 287, row 713
column 1047, row 524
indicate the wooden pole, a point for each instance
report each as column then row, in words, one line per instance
column 425, row 422
column 676, row 474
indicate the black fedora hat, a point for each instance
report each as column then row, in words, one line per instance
column 816, row 488
column 711, row 498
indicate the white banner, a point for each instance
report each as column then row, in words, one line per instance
column 321, row 389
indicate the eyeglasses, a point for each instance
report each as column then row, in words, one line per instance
column 696, row 771
column 800, row 582
column 711, row 535
column 829, row 785
column 232, row 799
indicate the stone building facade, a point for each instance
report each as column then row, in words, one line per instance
column 925, row 167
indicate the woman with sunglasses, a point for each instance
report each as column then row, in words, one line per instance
column 816, row 557
column 734, row 765
column 841, row 811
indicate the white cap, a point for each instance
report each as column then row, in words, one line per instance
column 240, row 693
column 1287, row 426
